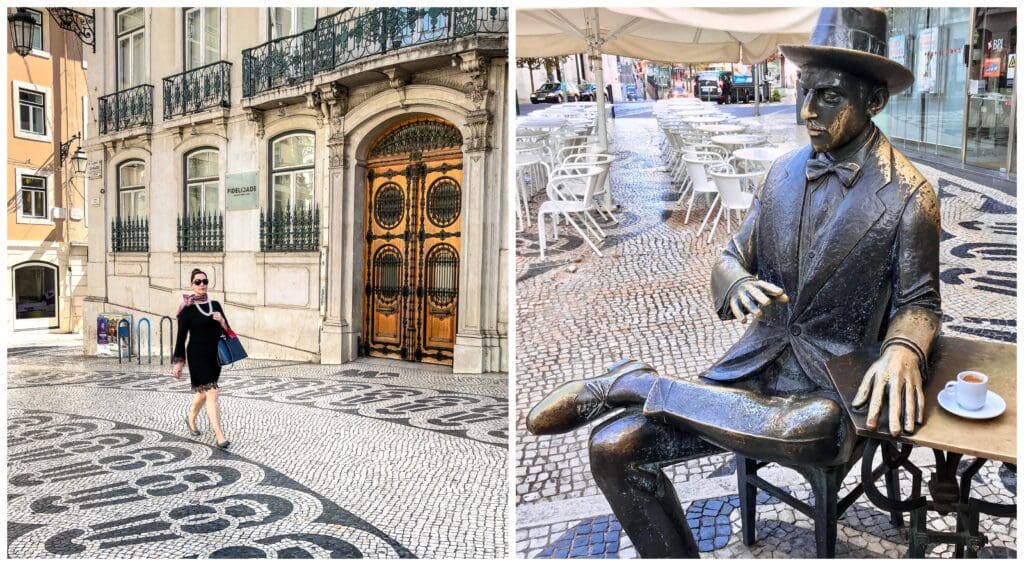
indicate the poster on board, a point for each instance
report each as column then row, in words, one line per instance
column 107, row 339
column 926, row 70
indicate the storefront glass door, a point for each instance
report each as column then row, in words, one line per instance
column 990, row 90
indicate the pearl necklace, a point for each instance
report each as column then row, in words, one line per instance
column 200, row 308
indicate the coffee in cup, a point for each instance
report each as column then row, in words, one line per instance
column 970, row 389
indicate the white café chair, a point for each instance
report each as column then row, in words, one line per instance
column 531, row 168
column 562, row 182
column 696, row 168
column 604, row 161
column 735, row 191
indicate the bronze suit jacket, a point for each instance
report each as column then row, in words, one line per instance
column 874, row 278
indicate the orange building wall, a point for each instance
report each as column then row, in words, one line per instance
column 63, row 74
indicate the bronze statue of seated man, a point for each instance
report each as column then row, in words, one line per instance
column 839, row 251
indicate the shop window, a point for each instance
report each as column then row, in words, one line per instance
column 35, row 294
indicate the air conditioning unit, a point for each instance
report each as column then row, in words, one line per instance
column 58, row 213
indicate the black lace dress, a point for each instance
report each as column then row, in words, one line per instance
column 203, row 368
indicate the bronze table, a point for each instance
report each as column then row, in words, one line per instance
column 950, row 437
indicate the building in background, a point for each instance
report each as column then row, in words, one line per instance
column 962, row 106
column 46, row 229
column 339, row 174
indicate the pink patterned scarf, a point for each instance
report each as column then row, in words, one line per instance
column 187, row 300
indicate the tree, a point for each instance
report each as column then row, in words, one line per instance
column 551, row 66
column 530, row 63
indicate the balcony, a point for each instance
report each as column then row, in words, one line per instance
column 283, row 62
column 351, row 35
column 201, row 233
column 129, row 235
column 296, row 231
column 126, row 109
column 198, row 89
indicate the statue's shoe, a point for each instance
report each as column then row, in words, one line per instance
column 578, row 402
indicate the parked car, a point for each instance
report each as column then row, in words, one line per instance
column 714, row 85
column 631, row 92
column 677, row 92
column 588, row 91
column 556, row 92
column 726, row 88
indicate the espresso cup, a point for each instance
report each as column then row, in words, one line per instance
column 970, row 389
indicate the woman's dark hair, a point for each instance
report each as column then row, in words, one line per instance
column 194, row 272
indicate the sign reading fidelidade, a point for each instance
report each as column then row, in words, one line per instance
column 240, row 191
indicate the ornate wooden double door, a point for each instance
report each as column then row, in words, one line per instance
column 413, row 220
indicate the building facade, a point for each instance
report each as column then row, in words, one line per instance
column 46, row 227
column 339, row 174
column 963, row 103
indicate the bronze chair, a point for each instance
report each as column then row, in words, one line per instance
column 825, row 484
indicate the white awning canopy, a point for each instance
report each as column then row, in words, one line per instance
column 682, row 35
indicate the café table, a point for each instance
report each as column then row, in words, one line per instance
column 721, row 128
column 763, row 156
column 950, row 438
column 703, row 119
column 538, row 123
column 738, row 140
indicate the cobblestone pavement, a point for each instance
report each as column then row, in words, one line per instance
column 648, row 299
column 376, row 458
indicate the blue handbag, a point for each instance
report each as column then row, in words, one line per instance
column 229, row 348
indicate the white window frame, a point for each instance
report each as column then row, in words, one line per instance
column 202, row 43
column 291, row 172
column 204, row 183
column 48, row 175
column 295, row 21
column 119, row 62
column 16, row 88
column 135, row 189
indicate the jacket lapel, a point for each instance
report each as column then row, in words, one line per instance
column 787, row 208
column 858, row 212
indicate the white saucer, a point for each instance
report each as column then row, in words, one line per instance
column 993, row 407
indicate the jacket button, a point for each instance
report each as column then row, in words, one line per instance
column 794, row 329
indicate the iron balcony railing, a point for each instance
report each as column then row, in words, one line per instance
column 129, row 235
column 201, row 233
column 282, row 62
column 296, row 231
column 198, row 89
column 353, row 34
column 126, row 109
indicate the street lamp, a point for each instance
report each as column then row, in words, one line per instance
column 79, row 160
column 22, row 27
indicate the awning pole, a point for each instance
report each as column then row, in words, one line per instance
column 602, row 114
column 757, row 89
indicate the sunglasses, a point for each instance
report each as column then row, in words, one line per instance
column 201, row 282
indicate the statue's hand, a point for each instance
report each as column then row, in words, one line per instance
column 897, row 373
column 751, row 296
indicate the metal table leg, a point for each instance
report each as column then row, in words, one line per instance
column 949, row 494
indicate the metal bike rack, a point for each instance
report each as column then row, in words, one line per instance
column 170, row 328
column 128, row 332
column 149, row 339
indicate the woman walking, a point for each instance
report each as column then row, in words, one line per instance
column 204, row 319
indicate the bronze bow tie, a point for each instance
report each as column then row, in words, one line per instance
column 846, row 171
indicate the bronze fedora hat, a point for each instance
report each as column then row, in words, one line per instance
column 854, row 40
